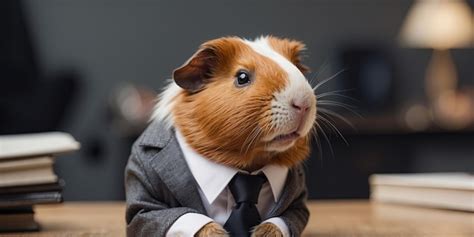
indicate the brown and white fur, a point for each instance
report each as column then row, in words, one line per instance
column 247, row 127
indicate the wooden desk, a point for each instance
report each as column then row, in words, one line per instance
column 328, row 218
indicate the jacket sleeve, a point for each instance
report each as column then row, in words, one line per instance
column 297, row 214
column 147, row 213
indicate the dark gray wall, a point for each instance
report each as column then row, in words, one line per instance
column 142, row 41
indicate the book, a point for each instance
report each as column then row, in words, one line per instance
column 27, row 177
column 27, row 172
column 25, row 163
column 439, row 190
column 57, row 186
column 38, row 144
column 29, row 199
column 18, row 219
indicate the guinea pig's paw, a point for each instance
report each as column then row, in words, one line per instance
column 212, row 229
column 267, row 230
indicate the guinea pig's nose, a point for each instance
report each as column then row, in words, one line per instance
column 300, row 105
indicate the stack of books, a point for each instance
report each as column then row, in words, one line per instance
column 27, row 177
column 453, row 191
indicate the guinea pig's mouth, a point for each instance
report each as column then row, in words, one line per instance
column 284, row 138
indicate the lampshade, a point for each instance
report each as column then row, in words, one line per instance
column 438, row 24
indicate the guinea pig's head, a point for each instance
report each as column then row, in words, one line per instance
column 244, row 103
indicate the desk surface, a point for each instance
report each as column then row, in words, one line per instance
column 328, row 218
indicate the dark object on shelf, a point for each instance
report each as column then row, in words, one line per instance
column 370, row 75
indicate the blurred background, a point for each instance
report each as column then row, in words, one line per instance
column 93, row 68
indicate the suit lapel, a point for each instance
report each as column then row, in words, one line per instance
column 171, row 166
column 288, row 195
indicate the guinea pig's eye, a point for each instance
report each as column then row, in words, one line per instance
column 242, row 78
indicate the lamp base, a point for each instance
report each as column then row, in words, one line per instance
column 441, row 76
column 450, row 109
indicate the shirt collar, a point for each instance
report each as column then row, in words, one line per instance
column 212, row 177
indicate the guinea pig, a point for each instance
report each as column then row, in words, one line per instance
column 235, row 107
column 243, row 103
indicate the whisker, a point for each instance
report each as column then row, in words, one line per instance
column 327, row 138
column 247, row 141
column 318, row 142
column 349, row 108
column 340, row 117
column 254, row 139
column 314, row 75
column 336, row 103
column 337, row 93
column 334, row 128
column 312, row 78
column 253, row 136
column 323, row 67
column 328, row 79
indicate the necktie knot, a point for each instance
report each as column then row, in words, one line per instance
column 246, row 188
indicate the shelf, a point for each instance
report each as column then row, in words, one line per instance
column 390, row 125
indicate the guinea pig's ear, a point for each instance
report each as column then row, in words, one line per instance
column 291, row 49
column 193, row 74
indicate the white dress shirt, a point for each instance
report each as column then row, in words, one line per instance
column 212, row 179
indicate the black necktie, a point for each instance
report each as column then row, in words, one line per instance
column 245, row 189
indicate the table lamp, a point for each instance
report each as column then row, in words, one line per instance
column 440, row 25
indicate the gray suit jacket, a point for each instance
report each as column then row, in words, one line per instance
column 160, row 187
